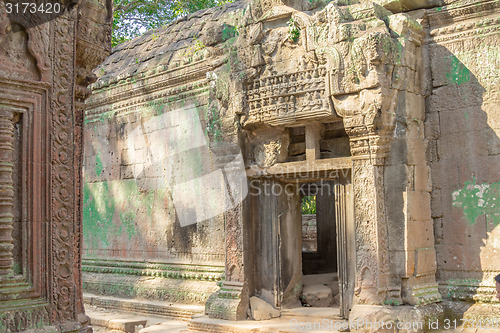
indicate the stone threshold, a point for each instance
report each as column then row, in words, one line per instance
column 149, row 307
column 312, row 319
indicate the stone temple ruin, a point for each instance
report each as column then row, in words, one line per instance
column 386, row 111
column 202, row 140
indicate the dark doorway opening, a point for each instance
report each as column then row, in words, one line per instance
column 319, row 235
column 319, row 245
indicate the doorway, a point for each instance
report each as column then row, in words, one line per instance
column 319, row 245
column 304, row 260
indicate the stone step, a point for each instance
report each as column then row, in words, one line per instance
column 317, row 295
column 117, row 322
column 147, row 307
column 314, row 279
column 203, row 324
column 166, row 327
column 312, row 314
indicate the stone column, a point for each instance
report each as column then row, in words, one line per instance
column 6, row 191
column 312, row 142
column 231, row 301
column 375, row 87
column 372, row 284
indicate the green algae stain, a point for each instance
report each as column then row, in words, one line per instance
column 127, row 219
column 112, row 209
column 98, row 211
column 17, row 268
column 478, row 199
column 457, row 73
column 98, row 165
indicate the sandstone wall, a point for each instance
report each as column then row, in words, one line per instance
column 463, row 132
column 132, row 230
column 309, row 233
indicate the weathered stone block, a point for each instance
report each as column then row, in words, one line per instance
column 398, row 262
column 127, row 172
column 425, row 261
column 450, row 256
column 126, row 158
column 432, row 126
column 422, row 178
column 418, row 205
column 419, row 234
column 416, row 151
column 317, row 295
column 415, row 110
column 261, row 310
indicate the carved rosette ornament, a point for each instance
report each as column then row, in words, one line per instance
column 63, row 182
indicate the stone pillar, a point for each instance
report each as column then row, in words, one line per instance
column 312, row 142
column 231, row 301
column 6, row 191
column 38, row 78
column 382, row 109
column 372, row 248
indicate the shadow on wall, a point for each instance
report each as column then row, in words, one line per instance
column 462, row 122
column 132, row 163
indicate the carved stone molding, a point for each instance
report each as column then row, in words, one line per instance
column 39, row 122
column 230, row 302
column 6, row 190
column 288, row 98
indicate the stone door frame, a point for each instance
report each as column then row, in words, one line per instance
column 314, row 171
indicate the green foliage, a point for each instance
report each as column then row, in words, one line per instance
column 214, row 125
column 228, row 32
column 131, row 18
column 184, row 7
column 293, row 31
column 195, row 47
column 309, row 205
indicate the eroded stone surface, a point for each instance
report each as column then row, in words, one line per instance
column 44, row 74
column 392, row 101
column 317, row 295
column 261, row 310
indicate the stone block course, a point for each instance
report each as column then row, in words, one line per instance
column 409, row 96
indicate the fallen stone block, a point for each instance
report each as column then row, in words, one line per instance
column 261, row 310
column 126, row 325
column 318, row 295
